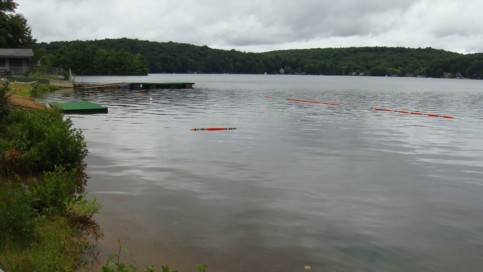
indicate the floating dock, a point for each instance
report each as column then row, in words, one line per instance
column 162, row 85
column 84, row 107
column 135, row 85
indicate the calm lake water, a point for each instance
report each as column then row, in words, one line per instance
column 339, row 188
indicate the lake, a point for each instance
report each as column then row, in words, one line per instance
column 297, row 186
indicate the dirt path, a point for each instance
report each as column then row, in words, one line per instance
column 25, row 102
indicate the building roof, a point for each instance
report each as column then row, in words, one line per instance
column 16, row 52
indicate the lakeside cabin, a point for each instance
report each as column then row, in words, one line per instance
column 15, row 60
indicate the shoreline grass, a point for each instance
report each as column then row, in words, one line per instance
column 46, row 222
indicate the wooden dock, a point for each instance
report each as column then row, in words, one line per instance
column 135, row 85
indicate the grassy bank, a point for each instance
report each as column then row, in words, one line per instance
column 33, row 88
column 46, row 219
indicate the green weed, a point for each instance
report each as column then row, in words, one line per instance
column 113, row 264
column 58, row 247
column 80, row 211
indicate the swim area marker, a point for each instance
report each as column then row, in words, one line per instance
column 213, row 128
column 312, row 101
column 414, row 113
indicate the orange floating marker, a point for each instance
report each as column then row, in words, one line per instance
column 269, row 97
column 312, row 101
column 213, row 128
column 417, row 113
column 414, row 113
column 379, row 109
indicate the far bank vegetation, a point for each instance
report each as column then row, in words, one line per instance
column 137, row 57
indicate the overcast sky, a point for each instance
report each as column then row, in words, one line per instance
column 264, row 25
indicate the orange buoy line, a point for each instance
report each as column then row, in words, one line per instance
column 414, row 113
column 381, row 109
column 312, row 101
column 213, row 128
column 417, row 113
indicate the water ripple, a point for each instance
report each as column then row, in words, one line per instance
column 342, row 188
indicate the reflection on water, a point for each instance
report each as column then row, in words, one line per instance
column 336, row 188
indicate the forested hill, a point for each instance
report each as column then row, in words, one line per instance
column 131, row 56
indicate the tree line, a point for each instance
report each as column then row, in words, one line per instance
column 87, row 58
column 133, row 57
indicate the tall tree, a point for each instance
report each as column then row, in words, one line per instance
column 7, row 6
column 14, row 30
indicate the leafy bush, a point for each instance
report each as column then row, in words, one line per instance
column 57, row 247
column 39, row 223
column 80, row 210
column 49, row 194
column 22, row 203
column 10, row 159
column 4, row 108
column 41, row 141
column 40, row 215
column 16, row 225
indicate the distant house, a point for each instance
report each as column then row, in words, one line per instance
column 15, row 61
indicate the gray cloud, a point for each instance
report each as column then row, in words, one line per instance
column 254, row 25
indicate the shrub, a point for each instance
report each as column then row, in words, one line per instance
column 16, row 224
column 39, row 217
column 49, row 194
column 39, row 223
column 43, row 140
column 21, row 203
column 80, row 210
column 4, row 108
column 10, row 159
